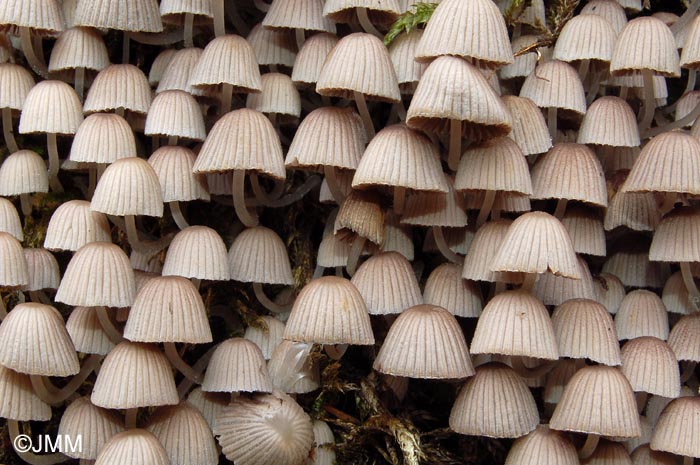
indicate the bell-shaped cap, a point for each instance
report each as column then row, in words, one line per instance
column 228, row 59
column 266, row 332
column 272, row 46
column 177, row 72
column 135, row 447
column 51, row 107
column 20, row 402
column 529, row 126
column 86, row 332
column 175, row 113
column 103, row 138
column 17, row 82
column 43, row 270
column 676, row 427
column 258, row 255
column 185, row 435
column 298, row 14
column 237, row 365
column 651, row 366
column 483, row 249
column 197, row 252
column 95, row 424
column 309, row 61
column 683, row 338
column 609, row 121
column 119, row 86
column 173, row 166
column 446, row 288
column 586, row 37
column 129, row 186
column 555, row 84
column 542, row 446
column 209, row 404
column 23, row 172
column 115, row 15
column 79, row 47
column 278, row 97
column 14, row 271
column 641, row 313
column 646, row 43
column 73, row 224
column 676, row 239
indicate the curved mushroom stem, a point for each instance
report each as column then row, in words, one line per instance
column 269, row 303
column 366, row 24
column 400, row 110
column 364, row 113
column 248, row 219
column 561, row 208
column 529, row 281
column 589, row 447
column 188, row 26
column 219, row 19
column 52, row 395
column 354, row 255
column 455, row 144
column 399, row 199
column 261, row 5
column 693, row 293
column 25, row 204
column 339, row 272
column 79, row 82
column 27, row 45
column 486, row 206
column 179, row 364
column 132, row 235
column 226, row 97
column 318, row 271
column 687, row 119
column 26, row 455
column 530, row 373
column 624, row 90
column 3, row 310
column 199, row 367
column 690, row 85
column 53, row 162
column 593, row 88
column 687, row 370
column 300, row 37
column 649, row 101
column 130, row 416
column 40, row 297
column 669, row 202
column 688, row 16
column 444, row 248
column 333, row 184
column 552, row 122
column 125, row 48
column 112, row 332
column 263, row 197
column 178, row 217
column 335, row 351
column 10, row 141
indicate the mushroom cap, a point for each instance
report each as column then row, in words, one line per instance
column 109, row 283
column 272, row 46
column 129, row 186
column 35, row 342
column 524, row 63
column 557, row 379
column 173, row 166
column 329, row 310
column 237, row 365
column 645, row 43
column 228, row 59
column 474, row 30
column 529, row 126
column 436, row 208
column 298, row 14
column 103, row 138
column 675, row 429
column 609, row 121
column 359, row 62
column 169, row 8
column 175, row 113
column 278, row 97
column 79, row 47
column 609, row 452
column 9, row 219
column 209, row 404
column 651, row 366
column 683, row 338
column 20, row 403
column 134, row 446
column 168, row 309
column 403, row 52
column 585, row 229
column 676, row 239
column 134, row 375
column 258, row 255
column 445, row 288
column 630, row 262
column 43, row 270
column 598, row 400
column 265, row 429
column 309, row 61
column 177, row 73
column 495, row 403
column 515, row 323
column 362, row 215
column 16, row 84
column 641, row 313
column 542, row 446
column 266, row 333
column 119, row 86
column 160, row 63
column 425, row 341
column 51, row 107
column 675, row 295
column 129, row 15
column 73, row 225
column 555, row 84
column 292, row 370
column 45, row 15
column 379, row 11
column 586, row 37
column 332, row 251
column 95, row 424
column 23, row 172
column 14, row 271
column 554, row 290
column 482, row 251
column 685, row 104
column 635, row 210
column 690, row 56
column 87, row 333
column 584, row 329
column 197, row 252
column 643, row 455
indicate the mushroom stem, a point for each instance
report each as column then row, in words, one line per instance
column 486, row 206
column 455, row 144
column 690, row 86
column 364, row 113
column 3, row 310
column 354, row 255
column 189, row 24
column 589, row 447
column 552, row 122
column 226, row 97
column 79, row 82
column 219, row 19
column 130, row 416
column 530, row 373
column 442, row 246
column 248, row 219
column 687, row 119
column 295, row 196
column 649, row 104
column 10, row 141
column 132, row 235
column 400, row 110
column 199, row 366
column 300, row 37
column 269, row 303
column 529, row 281
column 335, row 351
column 25, row 204
column 22, row 448
column 40, row 297
column 687, row 370
column 339, row 272
column 53, row 162
column 561, row 208
column 583, row 68
column 178, row 217
column 172, row 140
column 693, row 293
column 688, row 16
column 52, row 395
column 399, row 199
column 593, row 88
column 179, row 364
column 333, row 185
column 669, row 202
column 112, row 332
column 366, row 24
column 125, row 48
column 623, row 92
column 261, row 196
column 25, row 38
column 318, row 271
column 261, row 5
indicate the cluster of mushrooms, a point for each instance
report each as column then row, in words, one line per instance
column 492, row 165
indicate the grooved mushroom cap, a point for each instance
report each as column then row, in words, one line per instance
column 555, row 290
column 474, row 30
column 598, row 400
column 436, row 208
column 265, row 429
column 258, row 255
column 175, row 113
column 20, row 403
column 95, row 424
column 609, row 121
column 332, row 251
column 523, row 64
column 173, row 166
column 292, row 370
column 483, row 249
column 515, row 323
column 109, row 282
column 572, row 172
column 170, row 8
column 542, row 446
column 103, row 138
column 557, row 379
column 209, row 404
column 168, row 309
column 379, row 11
column 43, row 270
column 400, row 157
column 135, row 447
column 529, row 127
column 645, row 43
column 227, row 59
column 9, row 219
column 495, row 403
column 14, row 271
column 496, row 165
column 685, row 105
column 127, row 15
column 403, row 52
column 536, row 243
column 651, row 366
column 278, row 97
column 676, row 430
column 643, row 455
column 79, row 47
column 684, row 338
column 641, row 313
column 87, row 333
column 690, row 56
column 185, row 435
column 45, row 15
column 310, row 59
column 129, row 186
column 237, row 365
column 298, row 14
column 73, row 225
column 23, row 172
column 16, row 84
column 631, row 264
column 272, row 46
column 329, row 310
column 159, row 65
column 387, row 284
column 675, row 295
column 119, row 86
column 361, row 214
column 266, row 333
column 197, row 252
column 425, row 341
column 359, row 63
column 328, row 136
column 676, row 239
column 242, row 140
column 584, row 329
column 555, row 84
column 134, row 375
column 608, row 452
column 446, row 288
column 635, row 210
column 177, row 72
column 35, row 342
column 453, row 89
column 586, row 230
column 586, row 37
column 51, row 107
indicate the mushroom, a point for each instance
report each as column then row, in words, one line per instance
column 184, row 434
column 300, row 15
column 134, row 446
column 23, row 173
column 17, row 82
column 96, row 425
column 237, row 365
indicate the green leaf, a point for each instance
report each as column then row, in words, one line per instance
column 418, row 15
